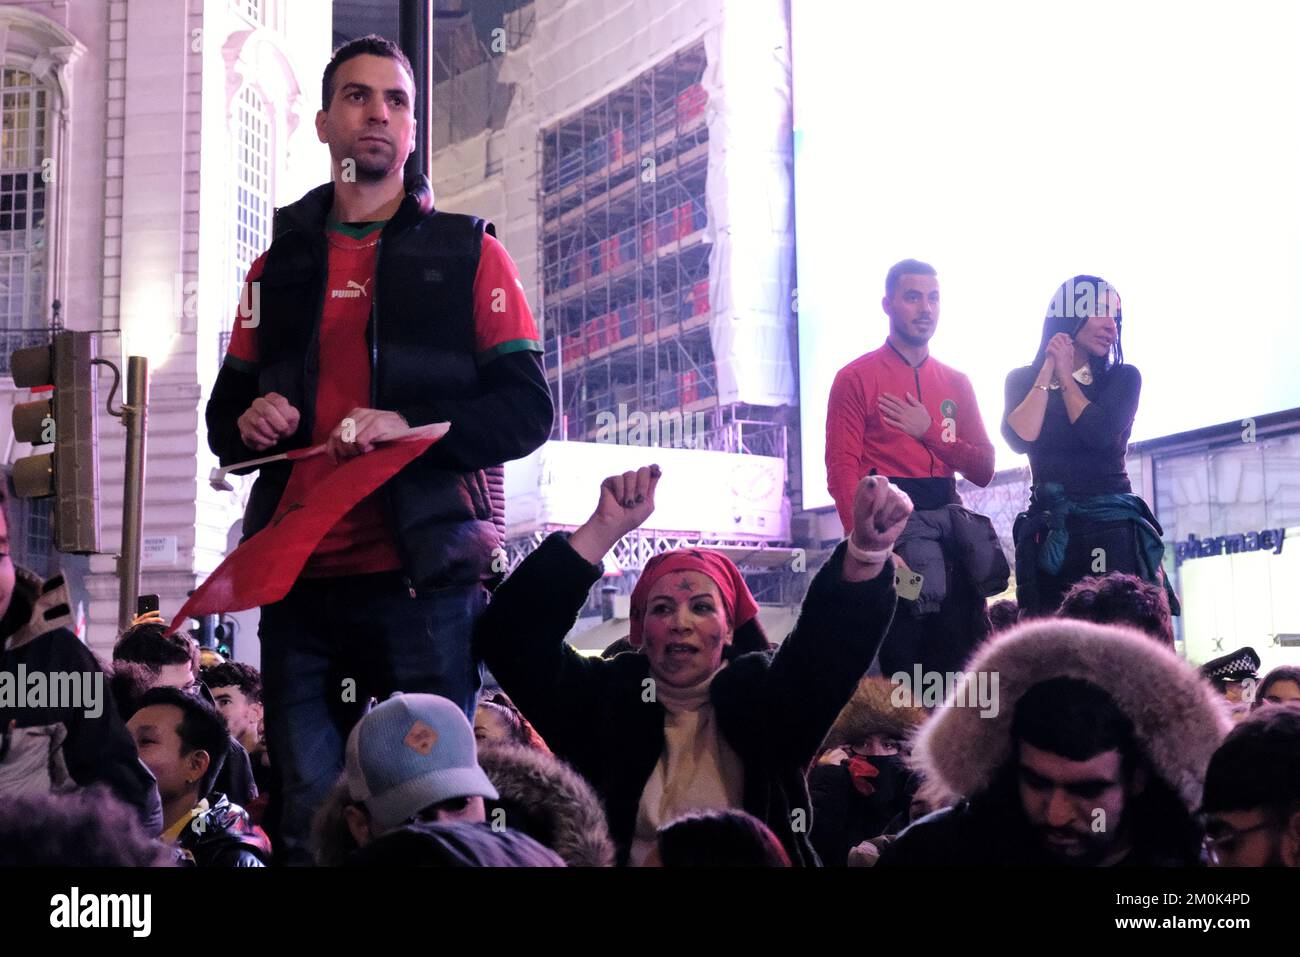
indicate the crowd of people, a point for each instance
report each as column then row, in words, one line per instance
column 904, row 720
column 700, row 745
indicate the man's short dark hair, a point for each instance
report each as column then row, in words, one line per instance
column 372, row 44
column 908, row 267
column 235, row 674
column 1258, row 764
column 202, row 727
column 1077, row 720
column 1121, row 599
column 146, row 644
column 1074, row 719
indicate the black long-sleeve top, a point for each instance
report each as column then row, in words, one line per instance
column 1086, row 456
column 774, row 709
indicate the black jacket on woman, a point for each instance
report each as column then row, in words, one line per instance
column 1084, row 462
column 773, row 708
column 1087, row 455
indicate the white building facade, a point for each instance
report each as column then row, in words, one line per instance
column 150, row 141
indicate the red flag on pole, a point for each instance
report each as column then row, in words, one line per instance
column 264, row 568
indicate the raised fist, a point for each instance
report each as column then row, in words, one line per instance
column 880, row 510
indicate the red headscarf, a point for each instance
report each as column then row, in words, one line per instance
column 736, row 597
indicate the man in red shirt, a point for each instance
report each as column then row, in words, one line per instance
column 901, row 413
column 370, row 312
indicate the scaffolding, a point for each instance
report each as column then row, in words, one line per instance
column 776, row 574
column 625, row 259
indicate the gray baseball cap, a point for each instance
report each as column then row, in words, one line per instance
column 409, row 752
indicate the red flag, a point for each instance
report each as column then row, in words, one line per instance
column 264, row 568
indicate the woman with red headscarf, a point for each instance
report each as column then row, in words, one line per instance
column 682, row 723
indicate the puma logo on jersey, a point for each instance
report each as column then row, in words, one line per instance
column 354, row 290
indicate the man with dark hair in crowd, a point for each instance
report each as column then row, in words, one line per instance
column 52, row 745
column 1095, row 756
column 145, row 658
column 1121, row 599
column 180, row 737
column 237, row 692
column 410, row 758
column 899, row 412
column 236, row 689
column 1252, row 793
column 376, row 312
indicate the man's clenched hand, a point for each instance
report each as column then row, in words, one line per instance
column 359, row 430
column 268, row 420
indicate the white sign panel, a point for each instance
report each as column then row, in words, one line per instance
column 1247, row 598
column 158, row 551
column 714, row 494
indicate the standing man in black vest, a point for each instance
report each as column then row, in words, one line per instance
column 371, row 312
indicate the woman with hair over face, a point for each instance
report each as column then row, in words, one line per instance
column 684, row 725
column 1072, row 411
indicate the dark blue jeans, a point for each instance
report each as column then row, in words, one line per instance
column 328, row 647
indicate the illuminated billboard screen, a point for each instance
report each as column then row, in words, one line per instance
column 1014, row 145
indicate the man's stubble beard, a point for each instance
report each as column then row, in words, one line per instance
column 899, row 329
column 1096, row 847
column 371, row 168
column 370, row 171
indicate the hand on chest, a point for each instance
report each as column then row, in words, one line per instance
column 914, row 408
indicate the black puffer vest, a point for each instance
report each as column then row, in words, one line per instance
column 421, row 341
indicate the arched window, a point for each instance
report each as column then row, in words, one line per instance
column 252, row 183
column 36, row 55
column 26, row 169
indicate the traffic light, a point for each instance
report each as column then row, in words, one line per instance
column 66, row 420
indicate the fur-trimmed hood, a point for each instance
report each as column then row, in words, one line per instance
column 1175, row 713
column 871, row 711
column 562, row 809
